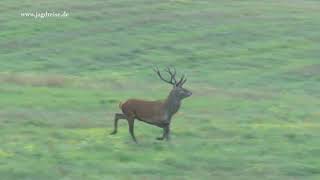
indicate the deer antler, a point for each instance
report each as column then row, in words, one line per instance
column 181, row 81
column 172, row 74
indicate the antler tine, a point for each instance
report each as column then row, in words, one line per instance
column 160, row 76
column 172, row 75
column 182, row 80
column 174, row 71
column 182, row 83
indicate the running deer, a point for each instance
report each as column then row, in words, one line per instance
column 158, row 113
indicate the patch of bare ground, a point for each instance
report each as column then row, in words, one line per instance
column 34, row 80
column 41, row 118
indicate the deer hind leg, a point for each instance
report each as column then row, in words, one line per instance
column 131, row 128
column 117, row 116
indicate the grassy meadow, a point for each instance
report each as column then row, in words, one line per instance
column 253, row 67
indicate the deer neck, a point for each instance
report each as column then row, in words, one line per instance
column 172, row 104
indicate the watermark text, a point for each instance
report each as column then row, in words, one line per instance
column 46, row 14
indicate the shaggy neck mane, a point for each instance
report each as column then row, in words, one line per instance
column 172, row 104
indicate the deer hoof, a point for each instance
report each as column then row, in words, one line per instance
column 159, row 138
column 113, row 132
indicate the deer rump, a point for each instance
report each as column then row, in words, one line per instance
column 151, row 112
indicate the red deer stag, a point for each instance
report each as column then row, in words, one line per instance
column 158, row 113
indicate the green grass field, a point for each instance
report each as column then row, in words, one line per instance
column 253, row 67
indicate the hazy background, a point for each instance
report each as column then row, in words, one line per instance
column 253, row 67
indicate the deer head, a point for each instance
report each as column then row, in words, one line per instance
column 177, row 92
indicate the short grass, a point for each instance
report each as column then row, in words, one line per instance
column 253, row 67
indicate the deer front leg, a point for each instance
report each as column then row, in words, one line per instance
column 163, row 135
column 166, row 133
column 131, row 128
